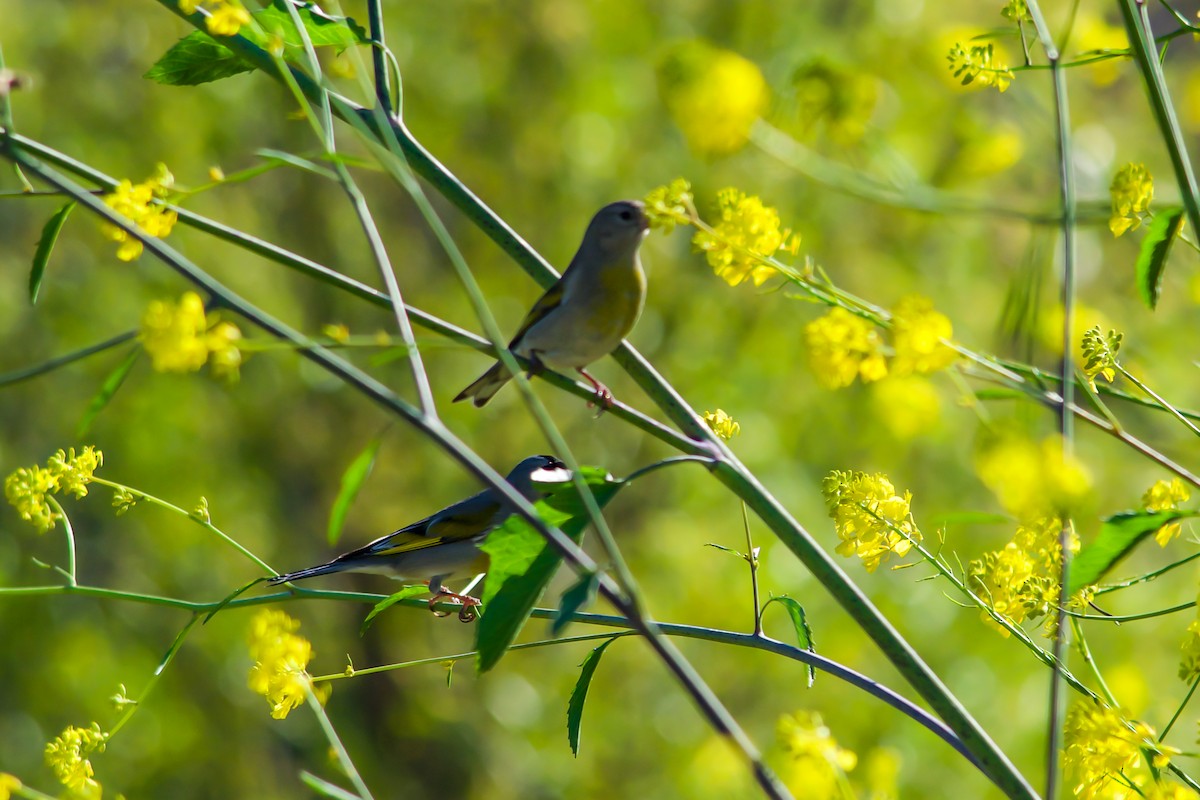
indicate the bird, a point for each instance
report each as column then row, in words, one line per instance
column 590, row 308
column 446, row 543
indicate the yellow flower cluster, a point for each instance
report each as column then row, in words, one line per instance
column 746, row 234
column 1189, row 662
column 280, row 659
column 670, row 205
column 1033, row 480
column 723, row 425
column 871, row 520
column 842, row 346
column 1132, row 189
column 817, row 766
column 1098, row 744
column 978, row 64
column 1100, row 354
column 715, row 96
column 28, row 488
column 67, row 756
column 182, row 338
column 225, row 17
column 137, row 202
column 1166, row 496
column 1021, row 580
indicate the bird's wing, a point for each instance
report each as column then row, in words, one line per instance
column 551, row 300
column 464, row 520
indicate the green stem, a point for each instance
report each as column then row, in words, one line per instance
column 69, row 532
column 335, row 742
column 1187, row 699
column 1146, row 578
column 1086, row 652
column 158, row 671
column 1157, row 398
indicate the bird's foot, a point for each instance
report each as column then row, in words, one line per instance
column 465, row 614
column 604, row 396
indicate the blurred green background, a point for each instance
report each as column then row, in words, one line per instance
column 547, row 110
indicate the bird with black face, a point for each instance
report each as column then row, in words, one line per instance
column 589, row 310
column 446, row 543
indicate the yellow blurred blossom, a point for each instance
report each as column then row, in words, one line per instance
column 985, row 151
column 714, row 96
column 1016, row 10
column 27, row 489
column 842, row 347
column 224, row 17
column 1166, row 496
column 871, row 520
column 137, row 202
column 670, row 205
column 1093, row 36
column 722, row 424
column 1031, row 479
column 747, row 233
column 8, row 785
column 280, row 660
column 881, row 768
column 181, row 337
column 919, row 334
column 842, row 99
column 1097, row 745
column 1161, row 790
column 67, row 757
column 908, row 406
column 980, row 65
column 1189, row 662
column 818, row 765
column 1100, row 355
column 338, row 332
column 1132, row 190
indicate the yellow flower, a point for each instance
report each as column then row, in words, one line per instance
column 27, row 488
column 281, row 658
column 979, row 64
column 999, row 579
column 67, row 756
column 908, row 406
column 137, row 202
column 226, row 18
column 1100, row 355
column 842, row 347
column 182, row 338
column 1033, row 480
column 722, row 424
column 1097, row 745
column 870, row 518
column 714, row 96
column 918, row 336
column 670, row 205
column 747, row 234
column 1132, row 190
column 1169, row 791
column 8, row 785
column 818, row 766
column 1166, row 496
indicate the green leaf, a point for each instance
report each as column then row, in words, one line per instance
column 1156, row 246
column 581, row 594
column 110, row 386
column 800, row 624
column 324, row 30
column 45, row 247
column 579, row 695
column 383, row 605
column 325, row 788
column 281, row 157
column 1119, row 534
column 197, row 58
column 522, row 563
column 352, row 481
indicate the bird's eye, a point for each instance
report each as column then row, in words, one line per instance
column 626, row 215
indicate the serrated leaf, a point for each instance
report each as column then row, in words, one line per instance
column 1156, row 246
column 579, row 694
column 1119, row 534
column 580, row 595
column 521, row 563
column 107, row 389
column 384, row 605
column 197, row 58
column 800, row 624
column 352, row 481
column 323, row 29
column 45, row 247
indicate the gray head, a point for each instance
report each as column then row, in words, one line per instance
column 618, row 228
column 537, row 470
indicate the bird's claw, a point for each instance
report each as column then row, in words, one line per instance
column 465, row 614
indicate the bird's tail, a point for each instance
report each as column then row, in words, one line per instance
column 324, row 569
column 488, row 384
